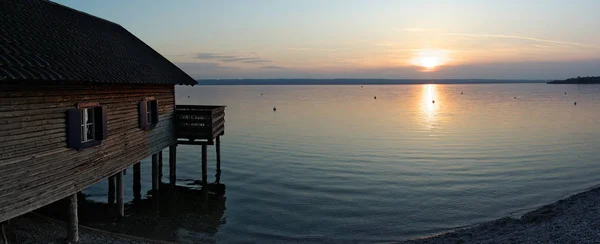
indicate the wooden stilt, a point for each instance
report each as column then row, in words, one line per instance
column 73, row 220
column 111, row 190
column 204, row 169
column 155, row 172
column 160, row 166
column 218, row 149
column 120, row 203
column 137, row 184
column 4, row 239
column 172, row 162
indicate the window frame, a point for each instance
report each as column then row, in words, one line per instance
column 85, row 123
column 148, row 113
column 79, row 121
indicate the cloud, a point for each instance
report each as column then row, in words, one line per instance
column 528, row 38
column 246, row 60
column 212, row 56
column 230, row 58
column 562, row 43
column 274, row 67
column 256, row 61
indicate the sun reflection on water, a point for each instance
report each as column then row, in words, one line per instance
column 428, row 107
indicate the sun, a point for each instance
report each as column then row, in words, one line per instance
column 429, row 59
column 429, row 62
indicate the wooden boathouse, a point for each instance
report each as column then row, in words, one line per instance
column 82, row 99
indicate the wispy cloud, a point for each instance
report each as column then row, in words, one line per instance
column 231, row 58
column 246, row 60
column 528, row 38
column 213, row 56
column 256, row 61
column 562, row 43
column 274, row 67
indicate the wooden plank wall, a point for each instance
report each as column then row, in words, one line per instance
column 37, row 168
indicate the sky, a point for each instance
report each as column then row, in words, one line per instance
column 397, row 39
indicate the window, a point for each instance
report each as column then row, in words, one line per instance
column 148, row 110
column 86, row 125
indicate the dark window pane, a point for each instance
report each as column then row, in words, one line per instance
column 83, row 116
column 90, row 115
column 90, row 131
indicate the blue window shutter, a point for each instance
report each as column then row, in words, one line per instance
column 143, row 109
column 100, row 118
column 74, row 128
column 154, row 109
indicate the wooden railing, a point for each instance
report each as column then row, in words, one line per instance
column 199, row 124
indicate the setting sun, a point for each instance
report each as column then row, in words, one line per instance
column 429, row 62
column 429, row 59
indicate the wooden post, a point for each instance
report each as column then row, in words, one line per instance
column 204, row 169
column 73, row 220
column 160, row 166
column 218, row 149
column 137, row 184
column 120, row 203
column 172, row 162
column 111, row 190
column 155, row 172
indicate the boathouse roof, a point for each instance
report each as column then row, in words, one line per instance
column 42, row 41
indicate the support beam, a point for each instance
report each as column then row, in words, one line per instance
column 111, row 190
column 120, row 189
column 155, row 172
column 160, row 166
column 73, row 220
column 172, row 164
column 218, row 149
column 204, row 162
column 137, row 181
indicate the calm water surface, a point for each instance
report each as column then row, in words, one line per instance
column 333, row 164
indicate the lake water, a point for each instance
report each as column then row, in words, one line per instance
column 333, row 164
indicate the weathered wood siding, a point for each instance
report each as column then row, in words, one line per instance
column 37, row 168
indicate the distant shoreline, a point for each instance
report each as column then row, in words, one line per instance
column 578, row 80
column 230, row 82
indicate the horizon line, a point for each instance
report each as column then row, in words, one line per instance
column 490, row 79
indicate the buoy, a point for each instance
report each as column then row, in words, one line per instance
column 274, row 109
column 375, row 97
column 575, row 103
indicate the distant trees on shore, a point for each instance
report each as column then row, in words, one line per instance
column 578, row 80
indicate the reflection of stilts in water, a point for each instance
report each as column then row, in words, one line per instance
column 173, row 208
